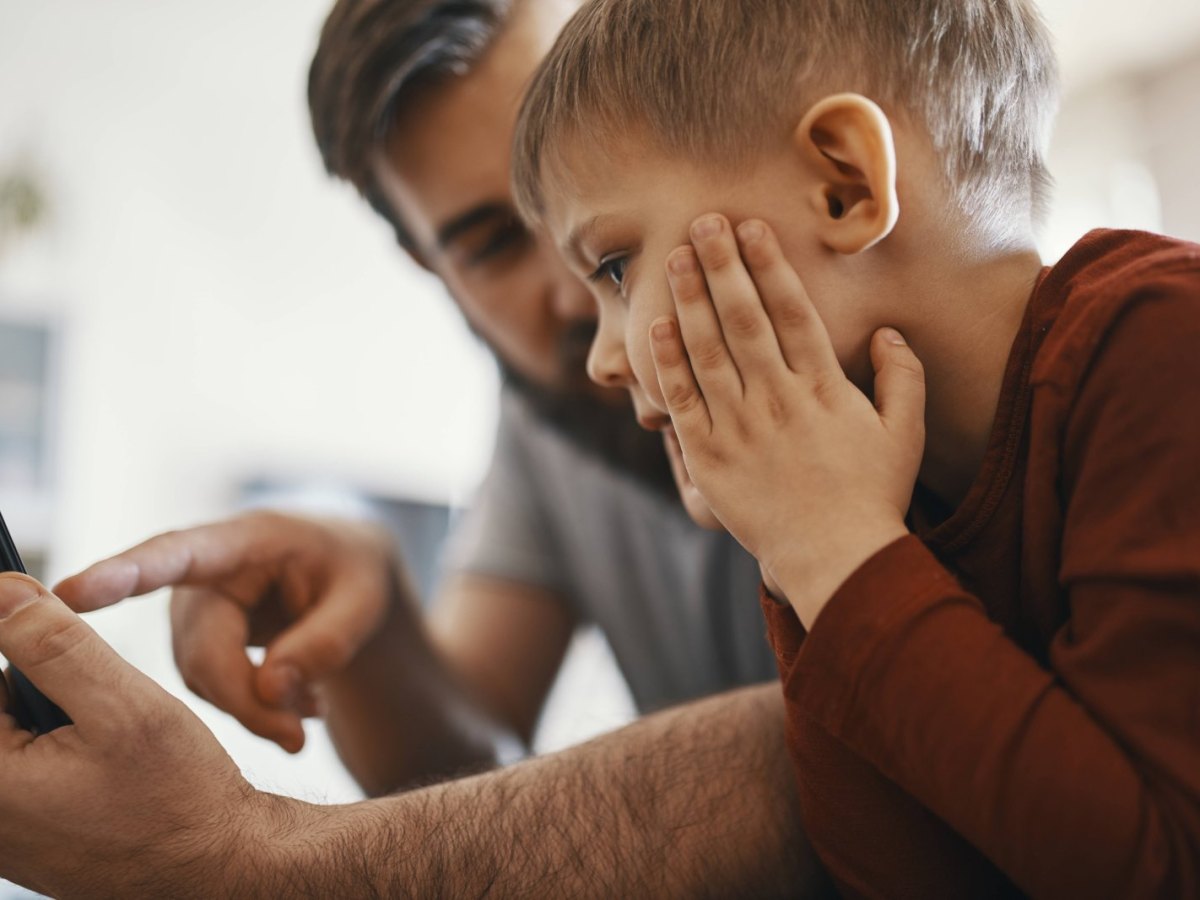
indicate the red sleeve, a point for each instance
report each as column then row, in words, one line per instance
column 1082, row 780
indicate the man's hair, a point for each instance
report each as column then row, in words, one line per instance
column 374, row 58
column 712, row 80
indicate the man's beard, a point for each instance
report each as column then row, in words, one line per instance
column 607, row 432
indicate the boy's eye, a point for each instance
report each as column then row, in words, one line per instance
column 613, row 268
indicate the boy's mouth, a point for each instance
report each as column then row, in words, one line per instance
column 654, row 422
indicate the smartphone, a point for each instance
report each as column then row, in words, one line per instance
column 29, row 706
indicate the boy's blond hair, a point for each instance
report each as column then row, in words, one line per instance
column 714, row 80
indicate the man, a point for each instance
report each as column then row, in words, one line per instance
column 691, row 800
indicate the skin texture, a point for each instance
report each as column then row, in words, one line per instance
column 684, row 803
column 690, row 802
column 791, row 379
column 748, row 373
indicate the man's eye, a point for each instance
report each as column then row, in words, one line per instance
column 500, row 240
column 613, row 268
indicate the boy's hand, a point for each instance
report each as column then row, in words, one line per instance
column 795, row 461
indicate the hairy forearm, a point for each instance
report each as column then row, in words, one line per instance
column 697, row 801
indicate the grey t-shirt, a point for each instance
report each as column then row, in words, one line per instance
column 678, row 604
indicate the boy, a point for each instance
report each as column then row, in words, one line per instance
column 990, row 645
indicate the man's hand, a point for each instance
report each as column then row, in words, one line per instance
column 312, row 592
column 136, row 798
column 795, row 461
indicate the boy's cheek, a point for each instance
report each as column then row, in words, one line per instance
column 641, row 363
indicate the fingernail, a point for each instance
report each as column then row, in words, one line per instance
column 706, row 227
column 892, row 336
column 662, row 330
column 287, row 682
column 682, row 262
column 16, row 591
column 750, row 231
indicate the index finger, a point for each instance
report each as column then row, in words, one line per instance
column 192, row 556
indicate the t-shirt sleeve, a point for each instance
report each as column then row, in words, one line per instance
column 1079, row 777
column 506, row 532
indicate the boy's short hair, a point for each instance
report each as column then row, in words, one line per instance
column 713, row 80
column 374, row 58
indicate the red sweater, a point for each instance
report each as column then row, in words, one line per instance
column 1008, row 702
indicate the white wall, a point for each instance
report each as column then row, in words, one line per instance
column 1125, row 151
column 227, row 309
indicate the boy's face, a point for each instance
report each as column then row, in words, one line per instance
column 617, row 222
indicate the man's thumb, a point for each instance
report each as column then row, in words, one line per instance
column 321, row 643
column 57, row 650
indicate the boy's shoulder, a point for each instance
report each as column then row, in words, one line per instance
column 1128, row 292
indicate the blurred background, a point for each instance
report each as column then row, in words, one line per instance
column 193, row 317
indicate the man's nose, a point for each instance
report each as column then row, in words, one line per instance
column 607, row 363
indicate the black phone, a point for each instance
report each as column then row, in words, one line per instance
column 29, row 706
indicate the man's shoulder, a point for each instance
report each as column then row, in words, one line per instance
column 1127, row 292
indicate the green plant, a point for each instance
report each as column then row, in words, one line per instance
column 22, row 202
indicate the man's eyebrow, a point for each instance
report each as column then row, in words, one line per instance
column 472, row 218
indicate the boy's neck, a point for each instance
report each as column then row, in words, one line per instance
column 972, row 312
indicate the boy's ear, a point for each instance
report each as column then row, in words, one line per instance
column 847, row 142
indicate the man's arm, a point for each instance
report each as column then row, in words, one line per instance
column 691, row 802
column 696, row 801
column 421, row 701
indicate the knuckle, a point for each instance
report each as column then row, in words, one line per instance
column 710, row 355
column 790, row 314
column 717, row 257
column 680, row 397
column 826, row 391
column 743, row 429
column 60, row 640
column 743, row 322
column 776, row 409
column 328, row 651
column 195, row 683
column 691, row 292
column 185, row 652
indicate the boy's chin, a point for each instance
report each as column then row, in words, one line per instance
column 696, row 506
column 698, row 509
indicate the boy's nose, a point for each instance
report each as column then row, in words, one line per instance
column 607, row 363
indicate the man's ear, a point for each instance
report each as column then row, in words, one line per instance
column 847, row 142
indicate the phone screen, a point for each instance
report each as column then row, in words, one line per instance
column 29, row 706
